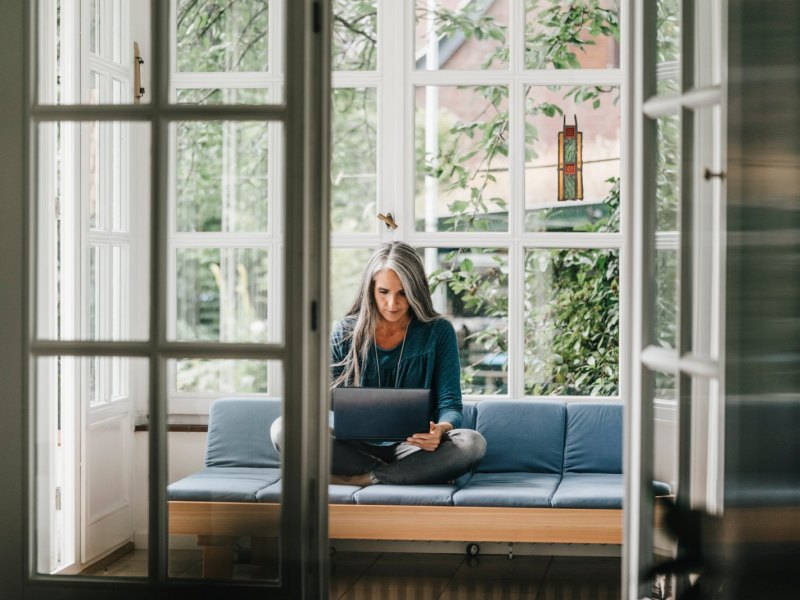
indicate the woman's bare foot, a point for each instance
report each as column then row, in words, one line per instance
column 362, row 480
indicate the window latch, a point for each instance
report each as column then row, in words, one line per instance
column 138, row 61
column 388, row 219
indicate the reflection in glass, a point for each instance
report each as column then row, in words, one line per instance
column 668, row 177
column 666, row 297
column 668, row 46
column 572, row 35
column 572, row 322
column 347, row 267
column 470, row 287
column 222, row 294
column 354, row 158
column 471, row 35
column 598, row 113
column 222, row 176
column 462, row 180
column 220, row 36
column 90, row 465
column 354, row 35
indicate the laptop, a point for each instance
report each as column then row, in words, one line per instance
column 380, row 414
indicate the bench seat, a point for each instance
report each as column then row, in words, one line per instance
column 552, row 473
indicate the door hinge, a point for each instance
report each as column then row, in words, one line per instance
column 314, row 315
column 58, row 498
column 317, row 18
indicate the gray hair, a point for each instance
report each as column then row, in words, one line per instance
column 403, row 260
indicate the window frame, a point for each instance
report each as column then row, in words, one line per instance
column 396, row 169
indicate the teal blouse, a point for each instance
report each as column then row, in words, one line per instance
column 430, row 360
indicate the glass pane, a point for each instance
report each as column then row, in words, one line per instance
column 668, row 46
column 471, row 287
column 462, row 176
column 665, row 474
column 93, row 244
column 355, row 35
column 207, row 376
column 354, row 160
column 572, row 322
column 222, row 294
column 222, row 176
column 221, row 452
column 461, row 35
column 572, row 35
column 668, row 176
column 94, row 26
column 90, row 464
column 347, row 267
column 98, row 34
column 666, row 321
column 548, row 112
column 222, row 96
column 222, row 36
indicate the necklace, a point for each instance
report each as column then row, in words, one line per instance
column 399, row 358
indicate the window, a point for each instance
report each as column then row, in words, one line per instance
column 450, row 123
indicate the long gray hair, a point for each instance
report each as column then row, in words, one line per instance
column 403, row 260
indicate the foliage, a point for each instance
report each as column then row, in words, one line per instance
column 222, row 36
column 354, row 35
column 353, row 159
column 556, row 32
column 480, row 291
column 572, row 324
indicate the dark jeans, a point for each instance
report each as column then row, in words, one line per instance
column 459, row 451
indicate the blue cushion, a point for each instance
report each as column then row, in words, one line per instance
column 223, row 484
column 522, row 435
column 529, row 490
column 589, row 490
column 469, row 412
column 238, row 433
column 337, row 494
column 416, row 495
column 594, row 438
column 661, row 489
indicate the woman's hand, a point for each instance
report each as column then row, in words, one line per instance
column 430, row 441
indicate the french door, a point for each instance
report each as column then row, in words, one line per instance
column 675, row 424
column 137, row 286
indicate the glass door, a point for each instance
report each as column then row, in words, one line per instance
column 177, row 153
column 675, row 427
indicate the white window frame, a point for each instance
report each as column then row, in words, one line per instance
column 394, row 81
column 195, row 402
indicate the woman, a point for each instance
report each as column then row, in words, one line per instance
column 392, row 337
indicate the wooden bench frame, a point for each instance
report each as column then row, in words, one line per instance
column 218, row 524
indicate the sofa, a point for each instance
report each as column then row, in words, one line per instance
column 552, row 473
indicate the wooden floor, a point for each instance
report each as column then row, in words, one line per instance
column 368, row 575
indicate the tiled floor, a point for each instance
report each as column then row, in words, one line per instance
column 379, row 576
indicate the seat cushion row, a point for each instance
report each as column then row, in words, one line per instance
column 539, row 454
